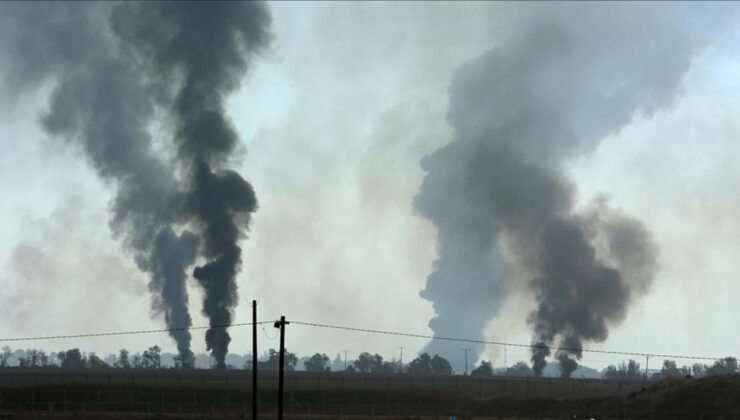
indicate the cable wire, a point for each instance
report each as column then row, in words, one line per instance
column 499, row 343
column 114, row 333
column 364, row 330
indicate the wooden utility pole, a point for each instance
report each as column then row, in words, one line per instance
column 254, row 360
column 400, row 361
column 281, row 370
column 647, row 362
column 466, row 350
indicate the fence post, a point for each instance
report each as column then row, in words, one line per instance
column 572, row 388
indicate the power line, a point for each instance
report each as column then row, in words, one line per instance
column 365, row 330
column 499, row 343
column 133, row 332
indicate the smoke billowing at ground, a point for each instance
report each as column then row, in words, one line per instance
column 111, row 68
column 194, row 54
column 500, row 197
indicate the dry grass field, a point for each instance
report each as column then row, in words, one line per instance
column 200, row 396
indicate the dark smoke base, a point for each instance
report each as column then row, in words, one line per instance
column 194, row 54
column 190, row 55
column 573, row 75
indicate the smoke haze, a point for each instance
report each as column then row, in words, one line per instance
column 101, row 103
column 194, row 54
column 558, row 86
column 338, row 118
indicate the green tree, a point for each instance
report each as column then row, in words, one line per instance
column 273, row 360
column 34, row 358
column 671, row 370
column 123, row 360
column 627, row 371
column 440, row 366
column 484, row 369
column 72, row 359
column 5, row 354
column 725, row 366
column 94, row 361
column 387, row 367
column 137, row 361
column 184, row 361
column 151, row 358
column 698, row 370
column 367, row 363
column 317, row 363
column 519, row 369
column 421, row 365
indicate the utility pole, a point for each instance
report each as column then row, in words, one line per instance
column 400, row 367
column 466, row 350
column 254, row 360
column 345, row 360
column 281, row 372
column 506, row 367
column 647, row 360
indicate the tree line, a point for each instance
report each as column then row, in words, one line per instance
column 424, row 364
column 632, row 371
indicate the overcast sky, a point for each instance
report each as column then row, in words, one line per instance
column 334, row 120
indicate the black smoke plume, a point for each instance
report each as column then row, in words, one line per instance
column 102, row 101
column 498, row 194
column 194, row 54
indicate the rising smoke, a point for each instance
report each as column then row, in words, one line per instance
column 192, row 54
column 568, row 77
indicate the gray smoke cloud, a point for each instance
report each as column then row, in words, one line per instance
column 102, row 103
column 194, row 54
column 568, row 77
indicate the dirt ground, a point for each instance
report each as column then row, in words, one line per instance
column 676, row 398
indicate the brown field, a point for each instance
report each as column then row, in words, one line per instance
column 176, row 394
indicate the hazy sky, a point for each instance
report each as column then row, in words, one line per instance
column 334, row 121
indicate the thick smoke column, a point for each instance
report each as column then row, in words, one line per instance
column 571, row 76
column 194, row 54
column 100, row 104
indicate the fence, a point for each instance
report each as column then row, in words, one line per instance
column 107, row 393
column 298, row 381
